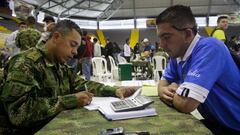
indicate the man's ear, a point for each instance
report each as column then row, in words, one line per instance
column 189, row 35
column 56, row 35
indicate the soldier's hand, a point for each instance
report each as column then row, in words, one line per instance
column 123, row 92
column 84, row 98
column 166, row 94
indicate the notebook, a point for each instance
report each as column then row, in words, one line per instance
column 149, row 91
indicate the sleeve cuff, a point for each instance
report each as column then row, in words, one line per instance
column 69, row 101
column 108, row 91
column 163, row 78
column 193, row 90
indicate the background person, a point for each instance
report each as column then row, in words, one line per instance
column 127, row 50
column 10, row 40
column 219, row 31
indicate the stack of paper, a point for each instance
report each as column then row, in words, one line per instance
column 138, row 83
column 103, row 105
column 108, row 112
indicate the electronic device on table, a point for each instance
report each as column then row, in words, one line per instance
column 135, row 102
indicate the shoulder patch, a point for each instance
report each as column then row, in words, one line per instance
column 33, row 54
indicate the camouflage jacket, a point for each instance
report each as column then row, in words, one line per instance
column 36, row 89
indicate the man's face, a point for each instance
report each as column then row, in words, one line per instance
column 223, row 23
column 66, row 45
column 22, row 26
column 172, row 41
column 146, row 43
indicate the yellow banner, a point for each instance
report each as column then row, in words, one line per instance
column 134, row 37
column 101, row 37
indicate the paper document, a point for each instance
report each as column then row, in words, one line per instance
column 102, row 104
column 98, row 101
column 149, row 91
column 108, row 112
column 138, row 83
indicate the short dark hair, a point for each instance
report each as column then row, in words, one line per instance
column 66, row 26
column 179, row 16
column 48, row 19
column 220, row 18
column 85, row 33
column 127, row 40
column 22, row 23
column 95, row 40
column 30, row 20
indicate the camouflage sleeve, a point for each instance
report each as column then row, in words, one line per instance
column 22, row 98
column 98, row 89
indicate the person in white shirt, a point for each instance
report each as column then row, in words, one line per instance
column 127, row 50
column 97, row 48
column 10, row 40
column 49, row 24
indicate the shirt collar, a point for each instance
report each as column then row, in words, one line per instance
column 190, row 49
column 47, row 58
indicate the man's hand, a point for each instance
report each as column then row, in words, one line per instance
column 84, row 98
column 166, row 93
column 123, row 92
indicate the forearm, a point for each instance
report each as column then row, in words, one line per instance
column 184, row 104
column 163, row 83
column 98, row 89
column 38, row 110
column 29, row 108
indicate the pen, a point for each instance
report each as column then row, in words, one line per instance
column 138, row 133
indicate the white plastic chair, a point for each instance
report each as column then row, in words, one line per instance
column 137, row 57
column 114, row 68
column 121, row 59
column 100, row 71
column 159, row 65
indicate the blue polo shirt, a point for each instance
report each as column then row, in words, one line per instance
column 208, row 74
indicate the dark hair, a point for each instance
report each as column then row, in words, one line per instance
column 181, row 17
column 220, row 18
column 127, row 40
column 30, row 20
column 66, row 26
column 95, row 40
column 48, row 19
column 22, row 23
column 234, row 36
column 85, row 33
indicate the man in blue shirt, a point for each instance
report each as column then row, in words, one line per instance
column 201, row 73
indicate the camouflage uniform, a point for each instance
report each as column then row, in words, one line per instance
column 27, row 38
column 36, row 89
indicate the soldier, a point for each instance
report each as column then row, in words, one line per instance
column 39, row 85
column 27, row 38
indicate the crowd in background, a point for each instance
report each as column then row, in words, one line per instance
column 28, row 36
